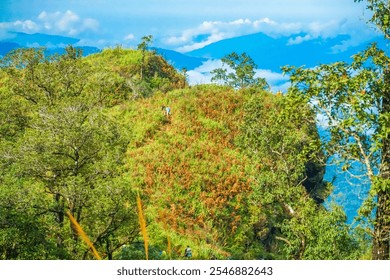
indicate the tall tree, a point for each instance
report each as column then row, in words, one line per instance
column 241, row 73
column 279, row 135
column 355, row 100
column 143, row 47
column 381, row 14
column 381, row 246
column 70, row 152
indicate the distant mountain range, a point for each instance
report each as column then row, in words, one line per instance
column 40, row 39
column 267, row 52
column 53, row 43
column 180, row 60
column 272, row 53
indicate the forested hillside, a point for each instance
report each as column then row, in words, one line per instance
column 232, row 173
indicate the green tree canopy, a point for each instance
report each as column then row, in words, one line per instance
column 355, row 100
column 68, row 158
column 240, row 72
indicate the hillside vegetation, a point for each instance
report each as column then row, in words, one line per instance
column 234, row 174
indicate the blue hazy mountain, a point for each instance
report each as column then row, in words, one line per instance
column 32, row 40
column 272, row 53
column 53, row 43
column 86, row 50
column 348, row 192
column 180, row 60
column 6, row 47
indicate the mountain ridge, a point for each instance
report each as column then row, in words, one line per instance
column 53, row 43
column 272, row 53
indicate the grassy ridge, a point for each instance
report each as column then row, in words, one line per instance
column 191, row 174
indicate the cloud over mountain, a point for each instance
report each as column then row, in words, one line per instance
column 202, row 75
column 68, row 22
column 209, row 32
column 64, row 23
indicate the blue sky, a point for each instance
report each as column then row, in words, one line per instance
column 184, row 25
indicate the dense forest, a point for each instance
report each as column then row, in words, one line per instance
column 93, row 165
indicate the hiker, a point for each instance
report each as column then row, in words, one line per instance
column 188, row 252
column 167, row 110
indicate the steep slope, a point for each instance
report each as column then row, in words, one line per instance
column 191, row 175
column 197, row 185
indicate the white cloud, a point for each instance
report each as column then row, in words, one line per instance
column 209, row 65
column 277, row 81
column 271, row 77
column 358, row 36
column 90, row 24
column 68, row 23
column 241, row 22
column 196, row 78
column 299, row 39
column 129, row 37
column 27, row 26
column 212, row 31
column 65, row 23
column 276, row 29
column 265, row 20
column 325, row 29
column 211, row 39
column 202, row 75
column 210, row 28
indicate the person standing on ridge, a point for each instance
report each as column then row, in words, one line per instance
column 188, row 252
column 167, row 111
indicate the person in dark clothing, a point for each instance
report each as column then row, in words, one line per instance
column 188, row 252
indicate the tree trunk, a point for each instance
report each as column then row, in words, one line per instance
column 381, row 242
column 108, row 249
column 381, row 245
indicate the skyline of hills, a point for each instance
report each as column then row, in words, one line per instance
column 271, row 53
column 53, row 43
column 267, row 52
